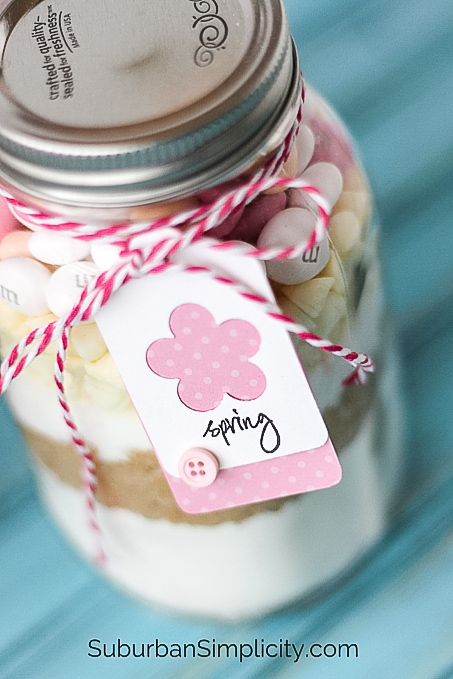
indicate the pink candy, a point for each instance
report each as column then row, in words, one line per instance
column 332, row 145
column 15, row 244
column 7, row 221
column 247, row 223
column 227, row 226
column 256, row 216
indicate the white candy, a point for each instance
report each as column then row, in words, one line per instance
column 66, row 284
column 344, row 231
column 88, row 341
column 311, row 104
column 305, row 144
column 327, row 178
column 56, row 248
column 23, row 284
column 104, row 254
column 293, row 227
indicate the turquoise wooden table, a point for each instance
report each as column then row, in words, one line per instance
column 387, row 67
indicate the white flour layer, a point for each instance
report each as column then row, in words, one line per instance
column 240, row 569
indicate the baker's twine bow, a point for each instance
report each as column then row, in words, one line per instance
column 137, row 258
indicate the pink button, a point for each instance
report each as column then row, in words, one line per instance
column 198, row 467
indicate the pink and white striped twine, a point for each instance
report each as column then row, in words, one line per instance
column 156, row 258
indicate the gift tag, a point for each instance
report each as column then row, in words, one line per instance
column 217, row 385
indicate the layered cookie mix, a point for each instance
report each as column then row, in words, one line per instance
column 265, row 554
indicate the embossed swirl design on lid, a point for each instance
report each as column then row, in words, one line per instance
column 148, row 101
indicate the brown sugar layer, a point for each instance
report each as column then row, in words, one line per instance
column 139, row 484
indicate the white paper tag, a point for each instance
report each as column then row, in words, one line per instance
column 207, row 369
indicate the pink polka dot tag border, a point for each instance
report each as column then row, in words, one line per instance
column 277, row 477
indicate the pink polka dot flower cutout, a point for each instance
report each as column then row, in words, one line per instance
column 209, row 360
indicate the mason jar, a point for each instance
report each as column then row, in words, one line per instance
column 153, row 114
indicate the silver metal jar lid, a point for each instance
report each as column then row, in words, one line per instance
column 106, row 104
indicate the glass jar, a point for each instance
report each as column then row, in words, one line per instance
column 94, row 144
